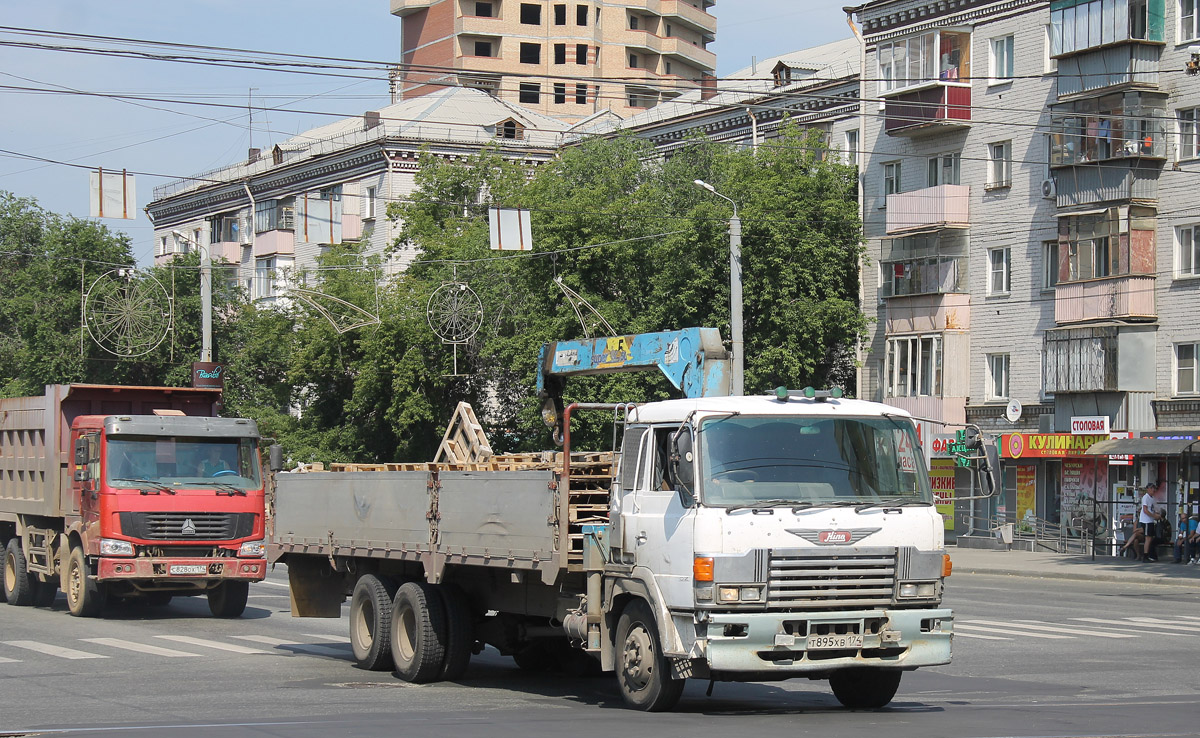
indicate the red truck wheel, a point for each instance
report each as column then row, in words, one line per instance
column 18, row 584
column 85, row 596
column 228, row 599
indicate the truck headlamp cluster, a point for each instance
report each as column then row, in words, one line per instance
column 113, row 547
column 737, row 593
column 253, row 548
column 923, row 590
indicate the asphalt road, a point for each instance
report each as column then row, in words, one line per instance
column 1032, row 658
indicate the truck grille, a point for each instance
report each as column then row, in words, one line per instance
column 181, row 526
column 827, row 579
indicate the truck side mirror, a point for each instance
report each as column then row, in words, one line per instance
column 82, row 457
column 683, row 463
column 275, row 457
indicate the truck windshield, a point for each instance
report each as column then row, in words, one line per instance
column 228, row 463
column 810, row 460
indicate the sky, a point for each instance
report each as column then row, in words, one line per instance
column 171, row 139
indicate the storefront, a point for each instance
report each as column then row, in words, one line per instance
column 1050, row 478
column 1172, row 457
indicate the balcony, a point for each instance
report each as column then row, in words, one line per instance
column 929, row 313
column 689, row 52
column 1109, row 298
column 943, row 206
column 1129, row 65
column 931, row 108
column 686, row 13
column 275, row 242
column 408, row 7
column 230, row 251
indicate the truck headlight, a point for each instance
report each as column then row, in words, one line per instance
column 737, row 593
column 253, row 548
column 918, row 589
column 727, row 594
column 113, row 547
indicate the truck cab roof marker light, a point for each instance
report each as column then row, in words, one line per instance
column 782, row 394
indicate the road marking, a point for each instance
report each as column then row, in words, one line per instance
column 274, row 584
column 1039, row 625
column 296, row 645
column 334, row 639
column 1130, row 623
column 212, row 644
column 1124, row 627
column 957, row 626
column 139, row 647
column 977, row 635
column 59, row 651
column 1161, row 623
column 9, row 661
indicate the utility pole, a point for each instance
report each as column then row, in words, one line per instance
column 737, row 385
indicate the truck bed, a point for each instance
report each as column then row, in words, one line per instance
column 512, row 512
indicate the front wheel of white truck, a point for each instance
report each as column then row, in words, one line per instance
column 642, row 671
column 865, row 689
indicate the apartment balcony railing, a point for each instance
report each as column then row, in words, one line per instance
column 685, row 12
column 945, row 206
column 933, row 107
column 689, row 52
column 275, row 242
column 1126, row 296
column 408, row 7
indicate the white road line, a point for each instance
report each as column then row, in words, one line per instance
column 332, row 638
column 960, row 634
column 1129, row 624
column 273, row 584
column 1125, row 627
column 1161, row 622
column 139, row 647
column 1042, row 626
column 295, row 645
column 268, row 597
column 9, row 661
column 212, row 644
column 59, row 651
column 1023, row 634
column 1189, row 617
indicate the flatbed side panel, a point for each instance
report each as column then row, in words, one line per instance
column 502, row 518
column 379, row 510
column 28, row 456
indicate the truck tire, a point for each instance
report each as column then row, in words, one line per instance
column 460, row 632
column 85, row 596
column 418, row 633
column 865, row 689
column 228, row 599
column 642, row 671
column 19, row 584
column 44, row 593
column 371, row 623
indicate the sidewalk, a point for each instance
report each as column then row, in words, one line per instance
column 1046, row 565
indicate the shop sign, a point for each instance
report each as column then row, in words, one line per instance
column 940, row 447
column 208, row 375
column 1120, row 459
column 1046, row 445
column 1026, row 496
column 941, row 479
column 1082, row 425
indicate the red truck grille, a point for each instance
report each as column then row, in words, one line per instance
column 180, row 526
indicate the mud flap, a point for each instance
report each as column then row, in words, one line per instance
column 317, row 591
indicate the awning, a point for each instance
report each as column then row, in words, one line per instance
column 1142, row 447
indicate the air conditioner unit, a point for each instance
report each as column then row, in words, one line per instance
column 1049, row 188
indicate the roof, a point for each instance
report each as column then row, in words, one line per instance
column 1143, row 447
column 676, row 411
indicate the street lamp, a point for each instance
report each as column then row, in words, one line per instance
column 205, row 298
column 737, row 380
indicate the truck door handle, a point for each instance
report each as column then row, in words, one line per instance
column 641, row 538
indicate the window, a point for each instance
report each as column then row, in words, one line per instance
column 531, row 15
column 581, row 14
column 1077, row 25
column 581, row 53
column 997, row 380
column 333, row 193
column 530, row 92
column 1112, row 126
column 1186, row 374
column 560, row 15
column 560, row 53
column 531, row 53
column 633, row 61
column 266, row 215
column 1189, row 29
column 510, row 129
column 668, row 65
column 851, row 152
column 264, row 277
column 560, row 93
column 924, row 57
column 369, row 204
column 633, row 22
column 162, row 247
column 998, row 271
column 1187, row 250
column 484, row 10
column 483, row 48
column 1098, row 244
column 925, row 263
column 1000, row 164
column 224, row 229
column 1049, row 63
column 891, row 178
column 913, row 366
column 1189, row 141
column 581, row 94
column 945, row 169
column 668, row 31
column 1049, row 264
column 1000, row 68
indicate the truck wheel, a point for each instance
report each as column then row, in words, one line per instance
column 418, row 633
column 865, row 689
column 228, row 599
column 460, row 632
column 85, row 596
column 642, row 671
column 18, row 583
column 371, row 623
column 44, row 593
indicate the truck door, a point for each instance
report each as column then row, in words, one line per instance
column 662, row 525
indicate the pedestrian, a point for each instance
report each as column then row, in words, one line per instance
column 1148, row 517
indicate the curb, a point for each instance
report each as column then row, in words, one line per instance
column 1079, row 576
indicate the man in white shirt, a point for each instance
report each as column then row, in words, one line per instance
column 1148, row 515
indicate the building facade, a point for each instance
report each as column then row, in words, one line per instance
column 568, row 60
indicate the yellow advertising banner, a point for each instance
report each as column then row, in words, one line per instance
column 1026, row 495
column 941, row 479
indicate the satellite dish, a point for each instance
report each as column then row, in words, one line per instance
column 1013, row 411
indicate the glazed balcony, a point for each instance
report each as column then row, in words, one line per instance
column 943, row 206
column 930, row 108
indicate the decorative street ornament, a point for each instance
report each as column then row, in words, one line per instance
column 127, row 313
column 454, row 313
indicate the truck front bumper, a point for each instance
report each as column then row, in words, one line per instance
column 189, row 569
column 779, row 643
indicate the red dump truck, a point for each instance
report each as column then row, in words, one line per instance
column 132, row 493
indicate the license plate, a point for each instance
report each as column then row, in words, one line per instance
column 829, row 642
column 189, row 568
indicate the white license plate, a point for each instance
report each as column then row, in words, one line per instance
column 189, row 568
column 829, row 642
